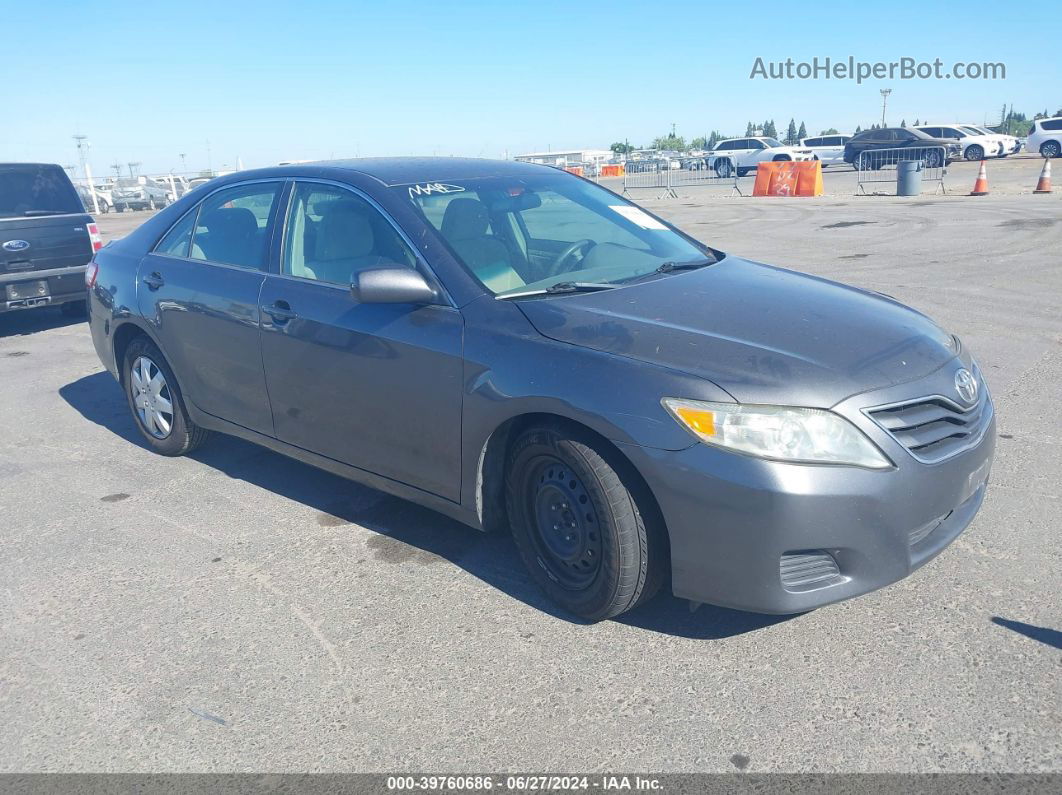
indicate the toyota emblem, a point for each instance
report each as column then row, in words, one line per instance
column 966, row 385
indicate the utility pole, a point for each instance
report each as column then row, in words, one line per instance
column 884, row 99
column 133, row 168
column 183, row 167
column 86, row 170
column 117, row 168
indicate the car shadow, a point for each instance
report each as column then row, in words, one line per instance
column 406, row 533
column 1051, row 637
column 31, row 321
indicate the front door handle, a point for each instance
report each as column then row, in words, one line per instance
column 154, row 281
column 280, row 312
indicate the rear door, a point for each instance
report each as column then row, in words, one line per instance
column 200, row 289
column 44, row 237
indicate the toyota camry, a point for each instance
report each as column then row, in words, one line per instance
column 525, row 351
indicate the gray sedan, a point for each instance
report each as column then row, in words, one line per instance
column 527, row 352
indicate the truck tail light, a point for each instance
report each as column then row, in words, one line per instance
column 92, row 270
column 94, row 236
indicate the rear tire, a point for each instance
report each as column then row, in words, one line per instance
column 1050, row 149
column 173, row 433
column 579, row 530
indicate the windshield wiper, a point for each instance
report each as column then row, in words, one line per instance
column 561, row 287
column 668, row 267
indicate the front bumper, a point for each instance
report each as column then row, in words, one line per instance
column 737, row 523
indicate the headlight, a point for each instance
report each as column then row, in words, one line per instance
column 781, row 433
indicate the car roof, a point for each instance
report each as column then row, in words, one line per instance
column 406, row 170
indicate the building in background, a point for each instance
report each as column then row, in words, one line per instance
column 567, row 157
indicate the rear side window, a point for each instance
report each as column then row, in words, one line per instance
column 233, row 225
column 1051, row 124
column 31, row 189
column 178, row 240
column 814, row 141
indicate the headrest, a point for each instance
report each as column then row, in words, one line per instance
column 344, row 232
column 465, row 219
column 231, row 221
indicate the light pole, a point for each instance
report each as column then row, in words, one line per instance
column 884, row 99
column 86, row 170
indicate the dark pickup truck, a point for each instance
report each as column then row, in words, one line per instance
column 46, row 238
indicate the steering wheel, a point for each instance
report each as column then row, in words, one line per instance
column 562, row 259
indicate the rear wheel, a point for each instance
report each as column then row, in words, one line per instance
column 934, row 159
column 156, row 402
column 1050, row 149
column 579, row 529
column 722, row 168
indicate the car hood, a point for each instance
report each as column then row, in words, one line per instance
column 764, row 334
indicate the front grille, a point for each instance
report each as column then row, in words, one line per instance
column 802, row 568
column 935, row 428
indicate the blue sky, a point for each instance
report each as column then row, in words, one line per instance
column 266, row 82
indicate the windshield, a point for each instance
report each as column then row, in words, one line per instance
column 772, row 142
column 36, row 190
column 974, row 130
column 520, row 234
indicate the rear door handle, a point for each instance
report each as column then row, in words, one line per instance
column 154, row 281
column 280, row 312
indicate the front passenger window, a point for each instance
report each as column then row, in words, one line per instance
column 333, row 233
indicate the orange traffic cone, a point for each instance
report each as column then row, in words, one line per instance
column 981, row 184
column 1044, row 184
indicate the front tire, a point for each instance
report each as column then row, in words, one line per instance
column 156, row 402
column 975, row 152
column 579, row 529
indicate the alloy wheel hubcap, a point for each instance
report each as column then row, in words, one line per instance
column 151, row 397
column 568, row 535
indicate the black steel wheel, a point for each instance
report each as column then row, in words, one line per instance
column 577, row 524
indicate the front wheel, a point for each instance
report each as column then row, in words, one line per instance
column 934, row 159
column 1050, row 149
column 975, row 152
column 156, row 402
column 579, row 529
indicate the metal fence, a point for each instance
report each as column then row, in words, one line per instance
column 692, row 172
column 879, row 165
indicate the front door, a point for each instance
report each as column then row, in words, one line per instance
column 375, row 386
column 200, row 290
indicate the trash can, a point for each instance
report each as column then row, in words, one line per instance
column 908, row 177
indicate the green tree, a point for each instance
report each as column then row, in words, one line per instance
column 830, row 131
column 769, row 130
column 749, row 129
column 622, row 148
column 802, row 133
column 671, row 143
column 903, row 122
column 790, row 133
column 699, row 143
column 858, row 130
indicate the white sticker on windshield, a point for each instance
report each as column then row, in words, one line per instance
column 640, row 217
column 428, row 188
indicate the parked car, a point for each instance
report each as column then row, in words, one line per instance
column 139, row 193
column 1045, row 137
column 973, row 144
column 1011, row 144
column 103, row 198
column 899, row 138
column 745, row 153
column 827, row 149
column 46, row 239
column 179, row 188
column 524, row 350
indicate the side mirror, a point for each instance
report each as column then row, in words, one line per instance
column 392, row 285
